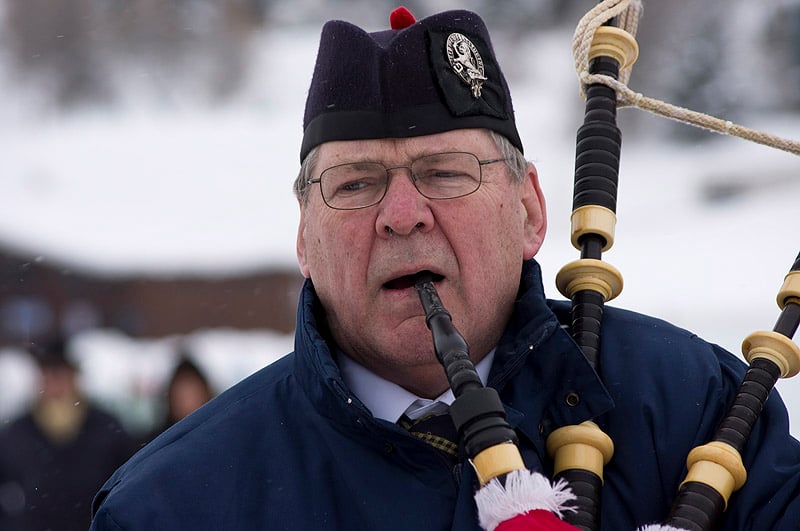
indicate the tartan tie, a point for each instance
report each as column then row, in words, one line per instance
column 436, row 430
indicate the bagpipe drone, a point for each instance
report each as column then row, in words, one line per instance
column 510, row 497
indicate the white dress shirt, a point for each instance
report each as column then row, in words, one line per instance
column 387, row 400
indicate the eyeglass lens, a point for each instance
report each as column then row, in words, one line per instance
column 438, row 176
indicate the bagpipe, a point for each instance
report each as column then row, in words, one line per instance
column 510, row 497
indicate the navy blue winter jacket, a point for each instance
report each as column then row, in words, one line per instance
column 290, row 448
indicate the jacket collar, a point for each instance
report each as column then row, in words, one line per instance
column 537, row 365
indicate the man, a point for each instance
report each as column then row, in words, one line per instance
column 413, row 164
column 56, row 456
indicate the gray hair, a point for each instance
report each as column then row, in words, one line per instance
column 515, row 162
column 301, row 186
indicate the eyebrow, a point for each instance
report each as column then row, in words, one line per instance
column 423, row 153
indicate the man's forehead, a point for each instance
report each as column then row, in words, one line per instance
column 404, row 148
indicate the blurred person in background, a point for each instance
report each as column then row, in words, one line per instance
column 55, row 456
column 187, row 390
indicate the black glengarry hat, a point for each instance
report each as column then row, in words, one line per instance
column 418, row 78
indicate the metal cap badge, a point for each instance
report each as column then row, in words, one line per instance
column 466, row 62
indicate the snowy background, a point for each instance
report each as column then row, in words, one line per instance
column 707, row 227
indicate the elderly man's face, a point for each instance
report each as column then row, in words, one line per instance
column 360, row 260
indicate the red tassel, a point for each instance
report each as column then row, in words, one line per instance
column 536, row 520
column 401, row 18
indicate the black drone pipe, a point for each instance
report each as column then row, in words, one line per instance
column 703, row 496
column 597, row 154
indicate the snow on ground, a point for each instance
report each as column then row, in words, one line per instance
column 151, row 191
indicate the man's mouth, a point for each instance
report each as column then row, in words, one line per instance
column 408, row 281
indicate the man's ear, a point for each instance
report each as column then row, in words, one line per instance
column 301, row 244
column 536, row 212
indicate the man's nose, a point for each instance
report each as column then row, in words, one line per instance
column 403, row 209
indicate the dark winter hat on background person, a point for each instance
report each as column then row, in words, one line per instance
column 418, row 78
column 51, row 353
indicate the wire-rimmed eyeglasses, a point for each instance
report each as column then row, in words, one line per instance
column 355, row 185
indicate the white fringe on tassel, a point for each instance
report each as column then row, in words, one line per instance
column 524, row 491
column 659, row 527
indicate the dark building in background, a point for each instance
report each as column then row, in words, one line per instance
column 39, row 298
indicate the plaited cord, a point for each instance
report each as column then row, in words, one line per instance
column 628, row 13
